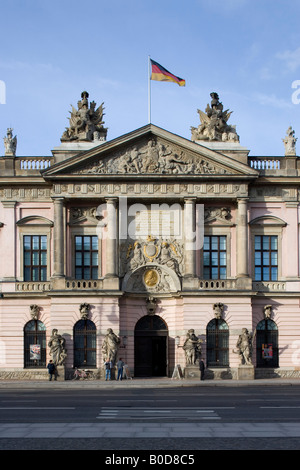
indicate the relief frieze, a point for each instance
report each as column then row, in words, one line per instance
column 128, row 189
column 153, row 157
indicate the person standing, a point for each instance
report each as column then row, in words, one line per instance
column 51, row 370
column 202, row 368
column 108, row 366
column 120, row 365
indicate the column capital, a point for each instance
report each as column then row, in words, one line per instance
column 58, row 198
column 189, row 200
column 111, row 200
column 9, row 204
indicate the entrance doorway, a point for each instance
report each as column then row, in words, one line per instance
column 150, row 347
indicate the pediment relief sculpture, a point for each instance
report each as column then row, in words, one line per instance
column 79, row 215
column 153, row 157
column 213, row 123
column 220, row 214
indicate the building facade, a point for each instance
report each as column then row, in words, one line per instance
column 156, row 238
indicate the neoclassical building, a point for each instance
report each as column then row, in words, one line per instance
column 160, row 239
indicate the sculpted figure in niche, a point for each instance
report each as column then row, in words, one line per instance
column 244, row 347
column 57, row 348
column 192, row 347
column 110, row 346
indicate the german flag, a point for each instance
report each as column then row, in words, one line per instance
column 161, row 74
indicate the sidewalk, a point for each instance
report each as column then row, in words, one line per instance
column 141, row 383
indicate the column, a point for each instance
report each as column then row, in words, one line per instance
column 111, row 238
column 242, row 239
column 59, row 238
column 189, row 230
column 8, row 241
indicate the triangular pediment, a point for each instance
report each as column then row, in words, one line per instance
column 149, row 151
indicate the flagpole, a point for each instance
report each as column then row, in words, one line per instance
column 149, row 92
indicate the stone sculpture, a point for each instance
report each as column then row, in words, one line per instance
column 84, row 311
column 86, row 122
column 290, row 142
column 34, row 311
column 10, row 143
column 214, row 125
column 57, row 348
column 110, row 346
column 218, row 309
column 168, row 253
column 152, row 157
column 267, row 312
column 244, row 347
column 192, row 347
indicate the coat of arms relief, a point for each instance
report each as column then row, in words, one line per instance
column 151, row 264
column 152, row 156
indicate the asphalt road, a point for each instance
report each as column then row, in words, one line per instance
column 171, row 419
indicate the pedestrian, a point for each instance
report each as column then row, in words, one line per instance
column 201, row 367
column 108, row 366
column 52, row 370
column 120, row 365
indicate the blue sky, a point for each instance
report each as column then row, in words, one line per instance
column 248, row 51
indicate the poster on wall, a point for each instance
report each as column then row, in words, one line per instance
column 35, row 351
column 267, row 351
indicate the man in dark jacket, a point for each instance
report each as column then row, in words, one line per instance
column 51, row 370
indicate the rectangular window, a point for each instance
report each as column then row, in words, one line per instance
column 214, row 257
column 86, row 257
column 266, row 258
column 35, row 257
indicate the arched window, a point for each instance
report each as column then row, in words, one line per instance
column 217, row 350
column 34, row 344
column 267, row 344
column 85, row 344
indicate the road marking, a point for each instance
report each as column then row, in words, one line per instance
column 184, row 413
column 280, row 407
column 37, row 408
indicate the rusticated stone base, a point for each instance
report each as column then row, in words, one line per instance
column 192, row 372
column 60, row 373
column 246, row 372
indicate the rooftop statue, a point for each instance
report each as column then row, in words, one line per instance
column 10, row 143
column 86, row 122
column 290, row 142
column 214, row 125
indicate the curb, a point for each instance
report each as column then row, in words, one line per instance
column 142, row 383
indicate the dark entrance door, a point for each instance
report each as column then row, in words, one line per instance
column 150, row 347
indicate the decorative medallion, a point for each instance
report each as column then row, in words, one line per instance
column 151, row 277
column 151, row 249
